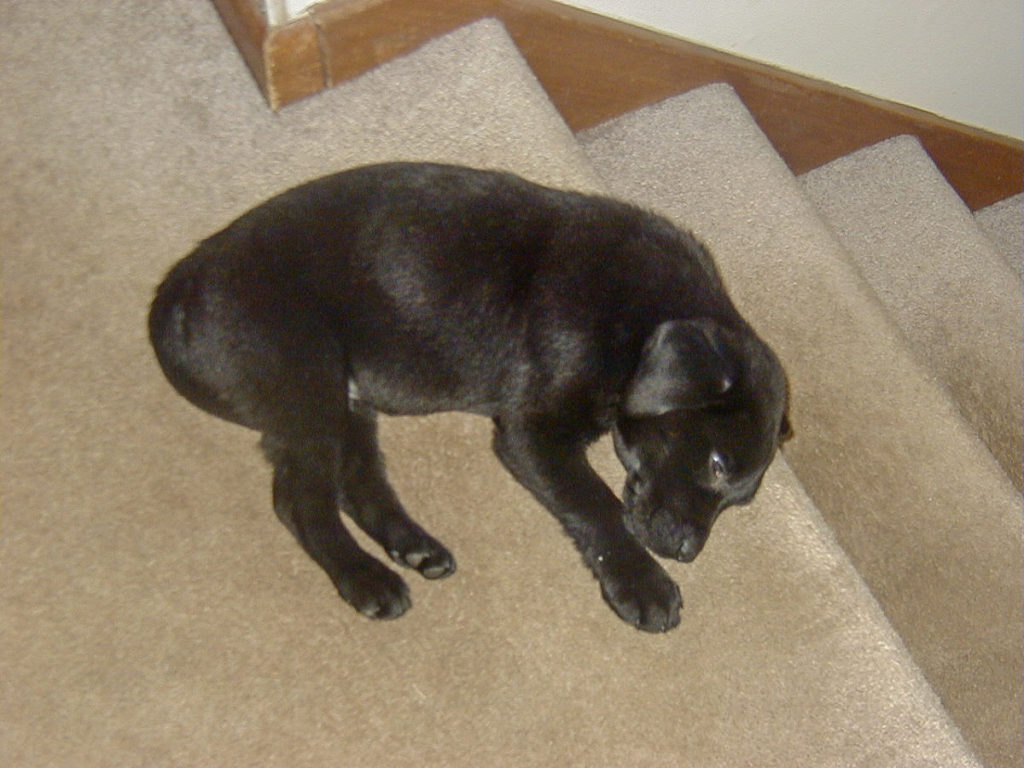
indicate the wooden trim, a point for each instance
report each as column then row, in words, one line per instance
column 295, row 62
column 286, row 61
column 594, row 68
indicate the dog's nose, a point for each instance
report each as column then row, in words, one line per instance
column 693, row 543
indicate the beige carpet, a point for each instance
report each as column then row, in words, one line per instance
column 154, row 612
column 938, row 276
column 1003, row 224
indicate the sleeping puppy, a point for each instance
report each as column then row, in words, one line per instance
column 410, row 288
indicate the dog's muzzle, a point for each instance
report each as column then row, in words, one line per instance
column 693, row 540
column 663, row 532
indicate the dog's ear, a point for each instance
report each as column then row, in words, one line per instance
column 683, row 365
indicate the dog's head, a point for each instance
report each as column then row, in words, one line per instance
column 699, row 425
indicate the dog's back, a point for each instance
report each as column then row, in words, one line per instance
column 426, row 285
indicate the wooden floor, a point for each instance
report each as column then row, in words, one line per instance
column 594, row 68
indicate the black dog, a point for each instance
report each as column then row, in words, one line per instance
column 414, row 288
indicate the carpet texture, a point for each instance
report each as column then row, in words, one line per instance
column 1003, row 224
column 154, row 612
column 938, row 277
column 880, row 446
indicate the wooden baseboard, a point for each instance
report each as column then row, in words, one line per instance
column 594, row 68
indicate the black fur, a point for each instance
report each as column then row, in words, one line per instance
column 414, row 288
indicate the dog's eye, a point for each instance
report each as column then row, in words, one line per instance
column 717, row 465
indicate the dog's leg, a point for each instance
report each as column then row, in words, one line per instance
column 559, row 476
column 369, row 500
column 304, row 500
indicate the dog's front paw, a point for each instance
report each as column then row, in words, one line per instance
column 375, row 591
column 640, row 592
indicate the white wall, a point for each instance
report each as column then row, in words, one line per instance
column 280, row 11
column 959, row 58
column 963, row 59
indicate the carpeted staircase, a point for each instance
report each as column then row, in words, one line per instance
column 1001, row 222
column 864, row 611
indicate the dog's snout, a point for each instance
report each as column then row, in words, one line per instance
column 692, row 543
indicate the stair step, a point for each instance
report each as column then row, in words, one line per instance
column 939, row 278
column 926, row 514
column 1003, row 223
